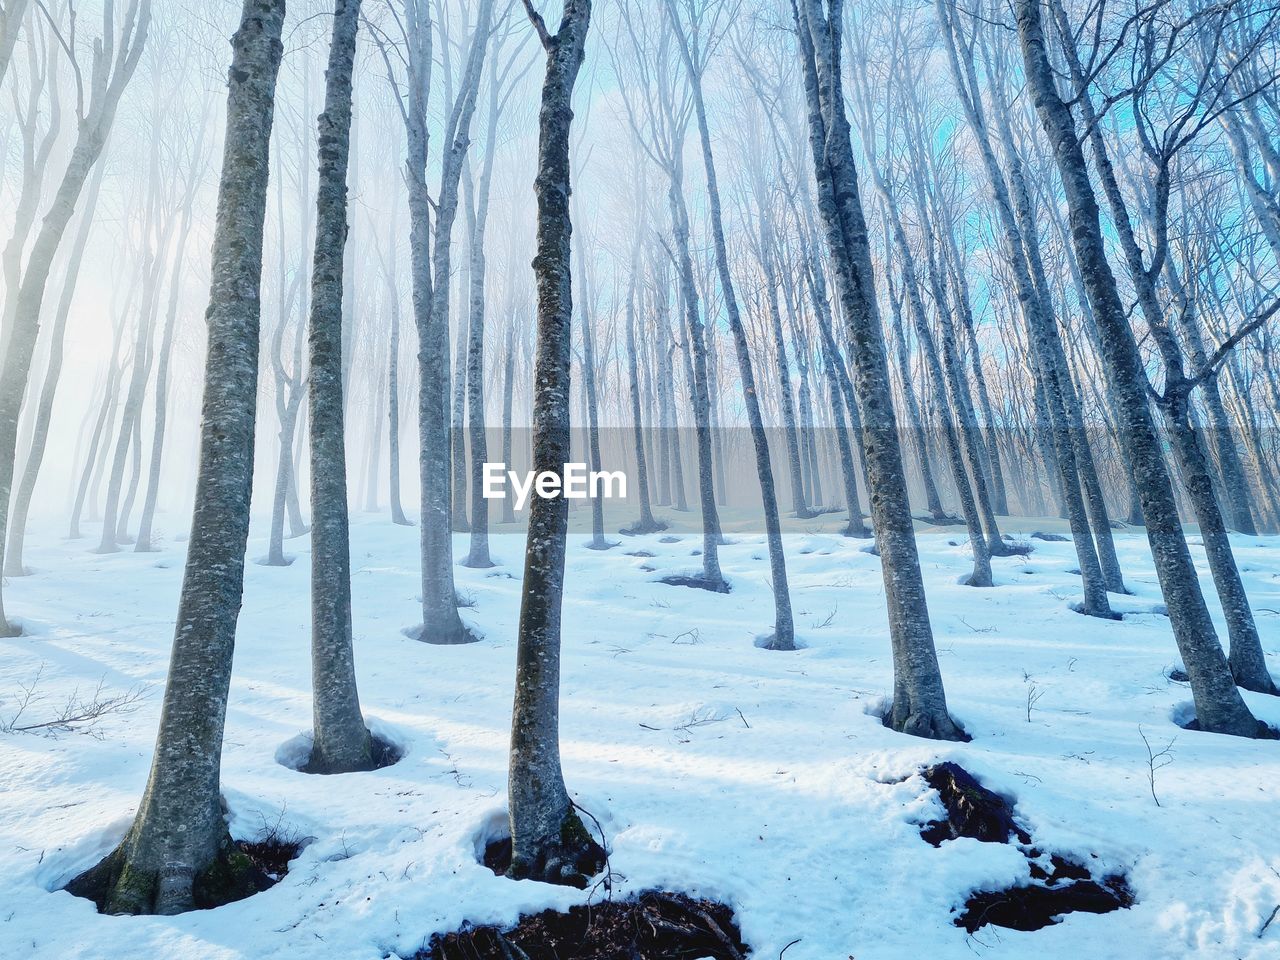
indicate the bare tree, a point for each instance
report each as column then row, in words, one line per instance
column 548, row 839
column 115, row 59
column 179, row 835
column 341, row 741
column 919, row 702
column 1219, row 707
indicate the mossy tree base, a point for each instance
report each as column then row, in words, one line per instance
column 118, row 886
column 570, row 860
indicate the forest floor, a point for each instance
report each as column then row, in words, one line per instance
column 764, row 780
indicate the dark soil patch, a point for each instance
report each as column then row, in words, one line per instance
column 655, row 925
column 972, row 809
column 497, row 855
column 1059, row 884
column 1178, row 675
column 669, row 540
column 699, row 583
column 1037, row 905
column 1049, row 537
column 271, row 855
column 1079, row 608
column 639, row 553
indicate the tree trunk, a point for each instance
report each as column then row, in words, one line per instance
column 919, row 702
column 1219, row 707
column 341, row 740
column 783, row 637
column 179, row 837
column 143, row 544
column 440, row 620
column 694, row 331
column 13, row 565
column 548, row 840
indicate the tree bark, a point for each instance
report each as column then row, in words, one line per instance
column 24, row 326
column 341, row 741
column 548, row 839
column 1219, row 707
column 179, row 834
column 440, row 620
column 919, row 702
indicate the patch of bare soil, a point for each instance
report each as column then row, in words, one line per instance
column 655, row 925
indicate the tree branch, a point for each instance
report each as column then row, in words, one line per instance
column 1211, row 365
column 539, row 25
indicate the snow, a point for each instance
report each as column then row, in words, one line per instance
column 715, row 767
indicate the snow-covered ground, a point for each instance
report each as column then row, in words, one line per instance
column 763, row 779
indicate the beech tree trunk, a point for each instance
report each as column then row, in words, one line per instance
column 1219, row 707
column 341, row 741
column 23, row 326
column 919, row 702
column 548, row 839
column 179, row 836
column 440, row 620
column 13, row 565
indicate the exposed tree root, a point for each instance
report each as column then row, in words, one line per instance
column 941, row 520
column 772, row 642
column 927, row 724
column 1008, row 547
column 444, row 636
column 972, row 810
column 1041, row 904
column 1059, row 884
column 239, row 870
column 570, row 860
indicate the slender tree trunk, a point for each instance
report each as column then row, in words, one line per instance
column 508, row 393
column 646, row 523
column 100, row 427
column 798, row 504
column 478, row 218
column 440, row 620
column 179, row 839
column 548, row 840
column 919, row 702
column 1219, row 707
column 598, row 541
column 13, row 565
column 695, row 333
column 23, row 326
column 783, row 637
column 393, row 395
column 341, row 740
column 143, row 544
column 915, row 416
